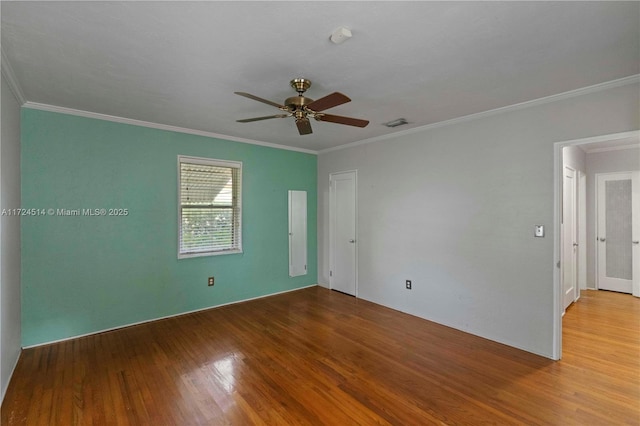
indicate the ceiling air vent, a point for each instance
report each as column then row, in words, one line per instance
column 397, row 122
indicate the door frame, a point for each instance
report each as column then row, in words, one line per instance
column 558, row 170
column 332, row 226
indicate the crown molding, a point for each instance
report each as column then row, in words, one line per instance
column 8, row 72
column 159, row 126
column 527, row 104
column 10, row 78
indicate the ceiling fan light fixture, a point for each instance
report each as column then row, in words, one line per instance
column 395, row 123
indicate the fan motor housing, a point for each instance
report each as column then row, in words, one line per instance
column 297, row 102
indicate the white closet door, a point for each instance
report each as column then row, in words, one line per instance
column 297, row 233
column 344, row 258
column 569, row 238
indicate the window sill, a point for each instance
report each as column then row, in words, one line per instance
column 208, row 253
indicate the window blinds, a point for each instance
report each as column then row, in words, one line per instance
column 209, row 206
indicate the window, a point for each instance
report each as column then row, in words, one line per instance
column 209, row 198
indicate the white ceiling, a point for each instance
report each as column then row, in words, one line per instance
column 178, row 63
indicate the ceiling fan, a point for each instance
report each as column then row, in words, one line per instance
column 303, row 108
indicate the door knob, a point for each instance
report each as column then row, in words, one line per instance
column 635, row 242
column 352, row 241
column 602, row 239
column 575, row 244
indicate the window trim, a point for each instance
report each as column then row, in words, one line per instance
column 216, row 163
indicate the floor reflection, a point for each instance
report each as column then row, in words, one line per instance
column 225, row 369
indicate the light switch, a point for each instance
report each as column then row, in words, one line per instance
column 538, row 231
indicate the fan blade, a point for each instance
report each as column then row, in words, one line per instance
column 304, row 126
column 349, row 121
column 329, row 101
column 249, row 120
column 255, row 98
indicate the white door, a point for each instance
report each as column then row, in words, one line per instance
column 342, row 212
column 582, row 232
column 618, row 232
column 569, row 260
column 297, row 233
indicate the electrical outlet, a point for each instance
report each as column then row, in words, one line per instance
column 210, row 281
column 408, row 284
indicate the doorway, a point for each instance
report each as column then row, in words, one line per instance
column 613, row 142
column 343, row 251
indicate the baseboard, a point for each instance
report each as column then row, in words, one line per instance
column 166, row 317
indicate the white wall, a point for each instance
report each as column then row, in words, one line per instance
column 453, row 209
column 603, row 162
column 10, row 332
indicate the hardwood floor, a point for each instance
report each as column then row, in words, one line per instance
column 319, row 357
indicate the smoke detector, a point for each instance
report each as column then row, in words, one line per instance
column 340, row 35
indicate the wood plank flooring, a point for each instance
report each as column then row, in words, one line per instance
column 319, row 357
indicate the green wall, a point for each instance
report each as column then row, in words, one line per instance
column 82, row 274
